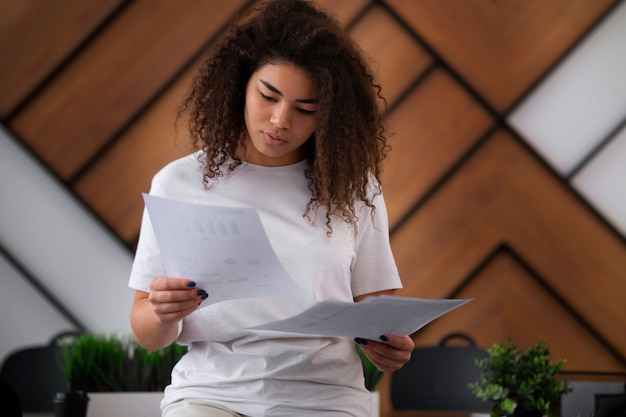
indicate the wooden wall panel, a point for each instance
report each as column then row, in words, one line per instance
column 342, row 10
column 452, row 232
column 501, row 47
column 397, row 58
column 132, row 161
column 432, row 128
column 501, row 308
column 105, row 86
column 474, row 212
column 37, row 36
column 501, row 195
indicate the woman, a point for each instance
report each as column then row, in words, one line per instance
column 285, row 116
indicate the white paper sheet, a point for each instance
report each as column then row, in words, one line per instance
column 224, row 249
column 368, row 319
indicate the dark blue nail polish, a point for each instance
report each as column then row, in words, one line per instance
column 205, row 296
column 383, row 338
column 360, row 341
column 191, row 284
column 202, row 293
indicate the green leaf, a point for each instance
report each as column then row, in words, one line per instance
column 109, row 363
column 511, row 378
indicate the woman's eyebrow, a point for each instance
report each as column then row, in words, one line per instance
column 277, row 91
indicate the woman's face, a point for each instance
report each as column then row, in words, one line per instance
column 280, row 114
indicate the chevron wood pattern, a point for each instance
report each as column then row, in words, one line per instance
column 117, row 75
column 510, row 199
column 36, row 38
column 92, row 88
column 501, row 48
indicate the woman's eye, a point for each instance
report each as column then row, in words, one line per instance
column 304, row 111
column 266, row 97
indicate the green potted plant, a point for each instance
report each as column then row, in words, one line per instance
column 520, row 383
column 113, row 363
column 372, row 374
column 98, row 363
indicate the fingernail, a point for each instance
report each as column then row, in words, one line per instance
column 191, row 284
column 205, row 296
column 360, row 341
column 383, row 338
column 202, row 293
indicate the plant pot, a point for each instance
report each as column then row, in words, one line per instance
column 135, row 404
column 70, row 404
column 521, row 412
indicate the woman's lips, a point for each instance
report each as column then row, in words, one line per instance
column 274, row 139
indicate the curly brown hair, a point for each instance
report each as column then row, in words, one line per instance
column 346, row 151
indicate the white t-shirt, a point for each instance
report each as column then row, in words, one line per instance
column 261, row 373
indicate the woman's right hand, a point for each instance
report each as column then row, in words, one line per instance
column 173, row 298
column 155, row 315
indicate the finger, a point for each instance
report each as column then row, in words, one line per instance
column 176, row 316
column 390, row 354
column 386, row 353
column 177, row 296
column 165, row 284
column 172, row 306
column 399, row 342
column 384, row 361
column 389, row 343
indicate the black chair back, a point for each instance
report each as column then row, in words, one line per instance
column 9, row 401
column 35, row 375
column 438, row 377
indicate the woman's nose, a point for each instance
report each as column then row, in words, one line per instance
column 281, row 117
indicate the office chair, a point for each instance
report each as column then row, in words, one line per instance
column 610, row 405
column 35, row 375
column 438, row 377
column 9, row 401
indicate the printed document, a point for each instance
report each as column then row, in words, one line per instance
column 224, row 249
column 227, row 252
column 368, row 319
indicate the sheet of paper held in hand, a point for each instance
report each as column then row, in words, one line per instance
column 224, row 249
column 368, row 319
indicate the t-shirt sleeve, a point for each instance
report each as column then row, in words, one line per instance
column 374, row 268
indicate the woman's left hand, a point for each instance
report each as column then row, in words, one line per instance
column 388, row 354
